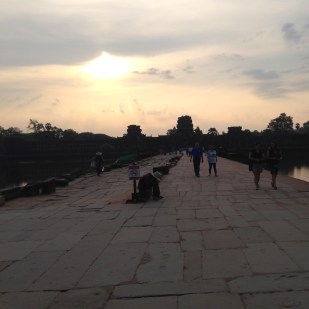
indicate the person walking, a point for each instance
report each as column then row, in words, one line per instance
column 197, row 156
column 98, row 162
column 256, row 158
column 273, row 157
column 212, row 159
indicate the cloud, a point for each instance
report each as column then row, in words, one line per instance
column 33, row 99
column 139, row 108
column 167, row 74
column 55, row 102
column 290, row 33
column 262, row 74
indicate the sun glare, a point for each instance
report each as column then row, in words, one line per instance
column 107, row 66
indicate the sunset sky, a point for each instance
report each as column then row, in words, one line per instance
column 101, row 65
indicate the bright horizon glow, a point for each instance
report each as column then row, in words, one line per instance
column 107, row 66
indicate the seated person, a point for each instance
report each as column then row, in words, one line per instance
column 149, row 185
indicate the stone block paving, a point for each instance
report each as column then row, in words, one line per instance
column 212, row 242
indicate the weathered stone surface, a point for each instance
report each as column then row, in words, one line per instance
column 212, row 300
column 116, row 265
column 210, row 242
column 298, row 252
column 223, row 239
column 20, row 275
column 270, row 283
column 266, row 258
column 27, row 300
column 277, row 300
column 192, row 241
column 225, row 264
column 187, row 225
column 13, row 251
column 192, row 265
column 164, row 234
column 282, row 231
column 70, row 267
column 142, row 303
column 252, row 234
column 94, row 298
column 170, row 288
column 163, row 262
column 165, row 220
column 133, row 234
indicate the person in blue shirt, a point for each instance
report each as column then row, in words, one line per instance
column 197, row 156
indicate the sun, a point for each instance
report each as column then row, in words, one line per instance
column 107, row 66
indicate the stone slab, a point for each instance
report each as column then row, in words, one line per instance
column 170, row 288
column 221, row 239
column 225, row 264
column 117, row 264
column 27, row 300
column 265, row 258
column 164, row 234
column 192, row 241
column 212, row 300
column 298, row 252
column 277, row 300
column 94, row 298
column 163, row 262
column 13, row 251
column 252, row 234
column 133, row 234
column 186, row 225
column 192, row 269
column 282, row 231
column 142, row 303
column 270, row 283
column 20, row 275
column 67, row 271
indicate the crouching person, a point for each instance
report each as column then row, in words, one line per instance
column 148, row 186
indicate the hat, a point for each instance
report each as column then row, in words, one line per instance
column 157, row 175
column 99, row 153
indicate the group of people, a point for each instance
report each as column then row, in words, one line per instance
column 196, row 155
column 148, row 184
column 257, row 158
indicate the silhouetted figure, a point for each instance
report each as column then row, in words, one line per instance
column 98, row 162
column 148, row 186
column 256, row 157
column 197, row 156
column 273, row 157
column 212, row 159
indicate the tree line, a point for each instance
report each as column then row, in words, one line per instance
column 283, row 124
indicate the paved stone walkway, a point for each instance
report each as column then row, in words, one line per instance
column 212, row 242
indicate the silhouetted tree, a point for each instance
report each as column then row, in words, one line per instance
column 198, row 131
column 306, row 127
column 281, row 123
column 171, row 131
column 35, row 126
column 185, row 126
column 11, row 131
column 213, row 131
column 69, row 134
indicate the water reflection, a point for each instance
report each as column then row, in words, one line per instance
column 300, row 172
column 20, row 173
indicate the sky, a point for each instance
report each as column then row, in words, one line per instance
column 102, row 65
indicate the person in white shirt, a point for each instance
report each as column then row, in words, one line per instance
column 212, row 159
